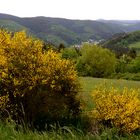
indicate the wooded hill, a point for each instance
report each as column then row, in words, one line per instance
column 68, row 32
column 122, row 43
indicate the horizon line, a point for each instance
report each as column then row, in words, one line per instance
column 98, row 19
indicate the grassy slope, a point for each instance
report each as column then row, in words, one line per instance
column 89, row 83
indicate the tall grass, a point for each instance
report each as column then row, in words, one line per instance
column 8, row 132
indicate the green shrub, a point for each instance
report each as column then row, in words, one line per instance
column 122, row 64
column 96, row 61
column 134, row 66
column 70, row 53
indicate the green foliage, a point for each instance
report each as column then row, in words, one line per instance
column 135, row 46
column 61, row 47
column 37, row 83
column 124, row 43
column 70, row 53
column 127, row 68
column 52, row 38
column 122, row 64
column 134, row 66
column 127, row 76
column 123, row 39
column 96, row 61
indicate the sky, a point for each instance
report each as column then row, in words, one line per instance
column 73, row 9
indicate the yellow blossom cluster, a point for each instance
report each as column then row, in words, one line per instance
column 24, row 60
column 3, row 102
column 120, row 108
column 27, row 69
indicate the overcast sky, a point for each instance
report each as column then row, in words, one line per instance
column 73, row 9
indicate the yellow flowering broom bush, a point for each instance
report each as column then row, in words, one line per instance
column 117, row 108
column 36, row 82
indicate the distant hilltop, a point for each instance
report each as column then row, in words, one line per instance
column 66, row 31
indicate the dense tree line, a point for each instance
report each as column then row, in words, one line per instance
column 96, row 61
